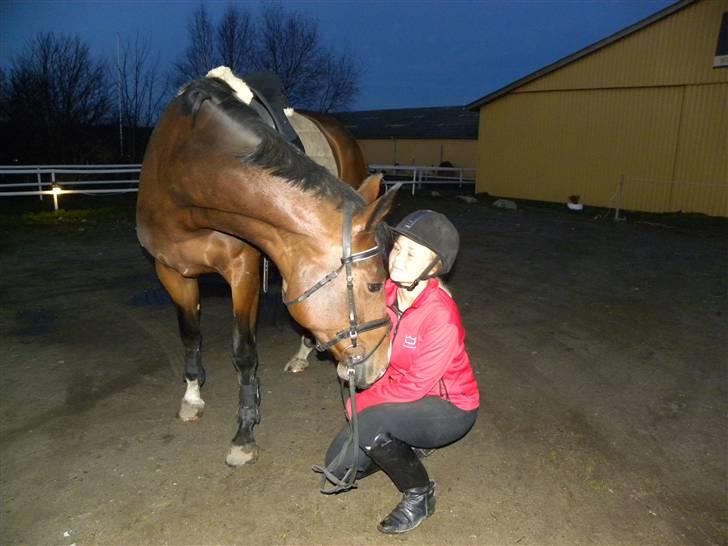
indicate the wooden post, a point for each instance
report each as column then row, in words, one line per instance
column 265, row 275
column 620, row 192
column 40, row 184
column 53, row 186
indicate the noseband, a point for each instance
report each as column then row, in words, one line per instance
column 354, row 329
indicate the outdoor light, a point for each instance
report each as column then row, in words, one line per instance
column 56, row 191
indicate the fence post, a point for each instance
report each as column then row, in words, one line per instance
column 620, row 192
column 460, row 178
column 40, row 183
column 414, row 180
column 265, row 275
column 53, row 188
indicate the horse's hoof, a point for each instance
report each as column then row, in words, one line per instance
column 296, row 365
column 240, row 455
column 190, row 411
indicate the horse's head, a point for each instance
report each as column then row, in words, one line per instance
column 339, row 294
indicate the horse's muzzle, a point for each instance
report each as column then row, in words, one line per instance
column 364, row 375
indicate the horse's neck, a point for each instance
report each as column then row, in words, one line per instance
column 289, row 233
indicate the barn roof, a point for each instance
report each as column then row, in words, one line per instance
column 452, row 122
column 639, row 25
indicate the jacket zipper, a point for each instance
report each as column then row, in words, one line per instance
column 399, row 321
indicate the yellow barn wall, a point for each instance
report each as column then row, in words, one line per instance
column 701, row 160
column 668, row 142
column 649, row 107
column 461, row 153
column 676, row 50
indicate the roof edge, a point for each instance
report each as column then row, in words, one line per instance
column 604, row 42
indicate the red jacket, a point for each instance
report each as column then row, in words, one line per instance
column 428, row 354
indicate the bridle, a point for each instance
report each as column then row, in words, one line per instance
column 354, row 329
column 352, row 333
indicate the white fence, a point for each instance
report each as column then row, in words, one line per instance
column 418, row 175
column 58, row 180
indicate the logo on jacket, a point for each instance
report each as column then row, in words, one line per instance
column 410, row 342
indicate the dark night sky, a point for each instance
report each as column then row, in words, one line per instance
column 414, row 53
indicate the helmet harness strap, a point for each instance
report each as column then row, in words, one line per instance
column 423, row 276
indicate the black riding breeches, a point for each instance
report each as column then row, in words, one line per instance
column 428, row 423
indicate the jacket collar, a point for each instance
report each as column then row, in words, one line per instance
column 391, row 292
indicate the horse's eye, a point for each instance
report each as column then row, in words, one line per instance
column 374, row 286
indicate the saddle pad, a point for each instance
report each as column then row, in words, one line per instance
column 314, row 142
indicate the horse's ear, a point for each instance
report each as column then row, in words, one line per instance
column 375, row 212
column 369, row 189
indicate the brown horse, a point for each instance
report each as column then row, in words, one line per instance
column 218, row 187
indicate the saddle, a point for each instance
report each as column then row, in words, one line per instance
column 271, row 105
column 269, row 102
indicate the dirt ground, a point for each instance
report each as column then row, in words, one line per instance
column 601, row 351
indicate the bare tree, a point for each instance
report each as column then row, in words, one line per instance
column 340, row 83
column 56, row 91
column 236, row 40
column 289, row 45
column 283, row 41
column 4, row 94
column 199, row 57
column 140, row 89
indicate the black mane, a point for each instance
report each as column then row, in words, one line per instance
column 272, row 152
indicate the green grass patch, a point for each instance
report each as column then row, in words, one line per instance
column 597, row 485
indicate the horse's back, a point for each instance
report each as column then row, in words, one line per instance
column 349, row 157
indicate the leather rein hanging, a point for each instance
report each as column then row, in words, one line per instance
column 352, row 333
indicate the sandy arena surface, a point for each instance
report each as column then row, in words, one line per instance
column 601, row 350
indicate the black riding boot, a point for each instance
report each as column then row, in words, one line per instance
column 404, row 468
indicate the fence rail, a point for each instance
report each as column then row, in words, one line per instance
column 58, row 180
column 53, row 180
column 418, row 175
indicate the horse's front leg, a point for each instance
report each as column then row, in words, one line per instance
column 245, row 292
column 185, row 294
column 299, row 361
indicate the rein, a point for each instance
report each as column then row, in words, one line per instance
column 353, row 360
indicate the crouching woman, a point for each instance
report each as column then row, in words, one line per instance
column 428, row 398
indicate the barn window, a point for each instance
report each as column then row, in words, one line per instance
column 721, row 51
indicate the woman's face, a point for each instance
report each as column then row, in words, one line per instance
column 408, row 260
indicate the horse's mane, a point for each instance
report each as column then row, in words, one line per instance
column 271, row 152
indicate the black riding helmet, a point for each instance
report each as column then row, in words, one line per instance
column 433, row 230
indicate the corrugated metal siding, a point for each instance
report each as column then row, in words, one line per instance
column 669, row 141
column 548, row 146
column 676, row 50
column 701, row 159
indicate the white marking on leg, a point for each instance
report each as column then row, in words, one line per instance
column 299, row 361
column 240, row 455
column 192, row 394
column 288, row 111
column 192, row 403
